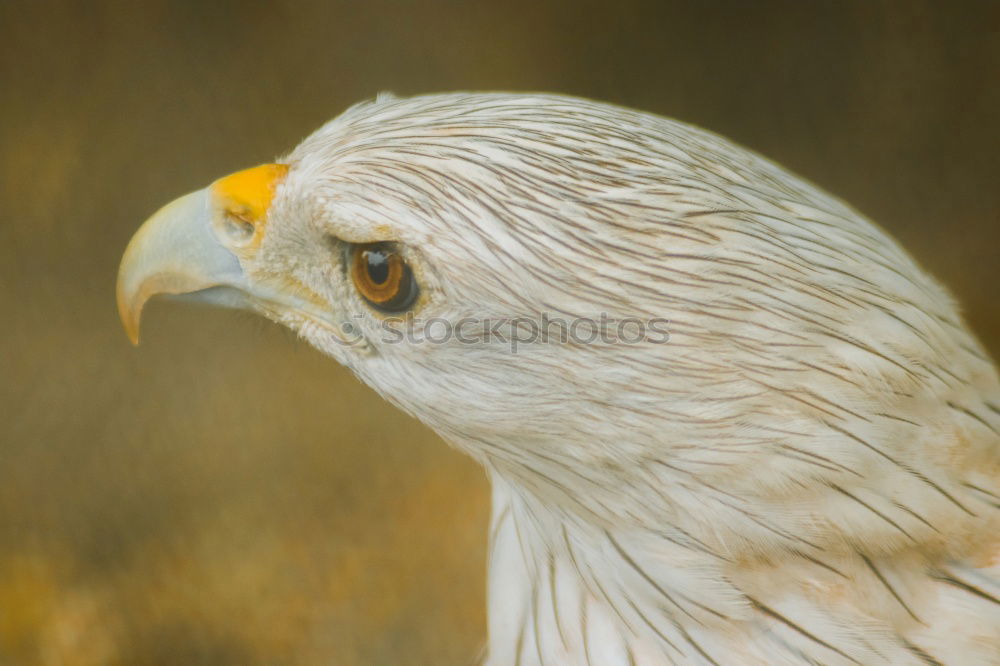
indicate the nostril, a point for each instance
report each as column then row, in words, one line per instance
column 238, row 230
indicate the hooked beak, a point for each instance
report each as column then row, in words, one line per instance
column 193, row 245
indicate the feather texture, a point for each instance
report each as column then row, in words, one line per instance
column 806, row 472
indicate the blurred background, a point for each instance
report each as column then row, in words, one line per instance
column 225, row 495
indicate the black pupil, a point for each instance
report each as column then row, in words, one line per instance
column 378, row 266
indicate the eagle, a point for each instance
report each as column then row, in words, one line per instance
column 726, row 418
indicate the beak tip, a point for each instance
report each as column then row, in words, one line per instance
column 131, row 327
column 129, row 312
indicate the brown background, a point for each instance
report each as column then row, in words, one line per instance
column 225, row 495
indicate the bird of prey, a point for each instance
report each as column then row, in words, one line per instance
column 790, row 452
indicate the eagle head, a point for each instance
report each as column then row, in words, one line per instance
column 707, row 393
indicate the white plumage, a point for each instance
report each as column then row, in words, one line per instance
column 807, row 472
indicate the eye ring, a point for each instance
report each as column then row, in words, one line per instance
column 382, row 276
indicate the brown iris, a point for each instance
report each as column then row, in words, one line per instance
column 382, row 276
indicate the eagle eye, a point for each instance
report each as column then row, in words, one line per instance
column 382, row 276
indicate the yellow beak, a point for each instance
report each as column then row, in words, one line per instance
column 188, row 247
